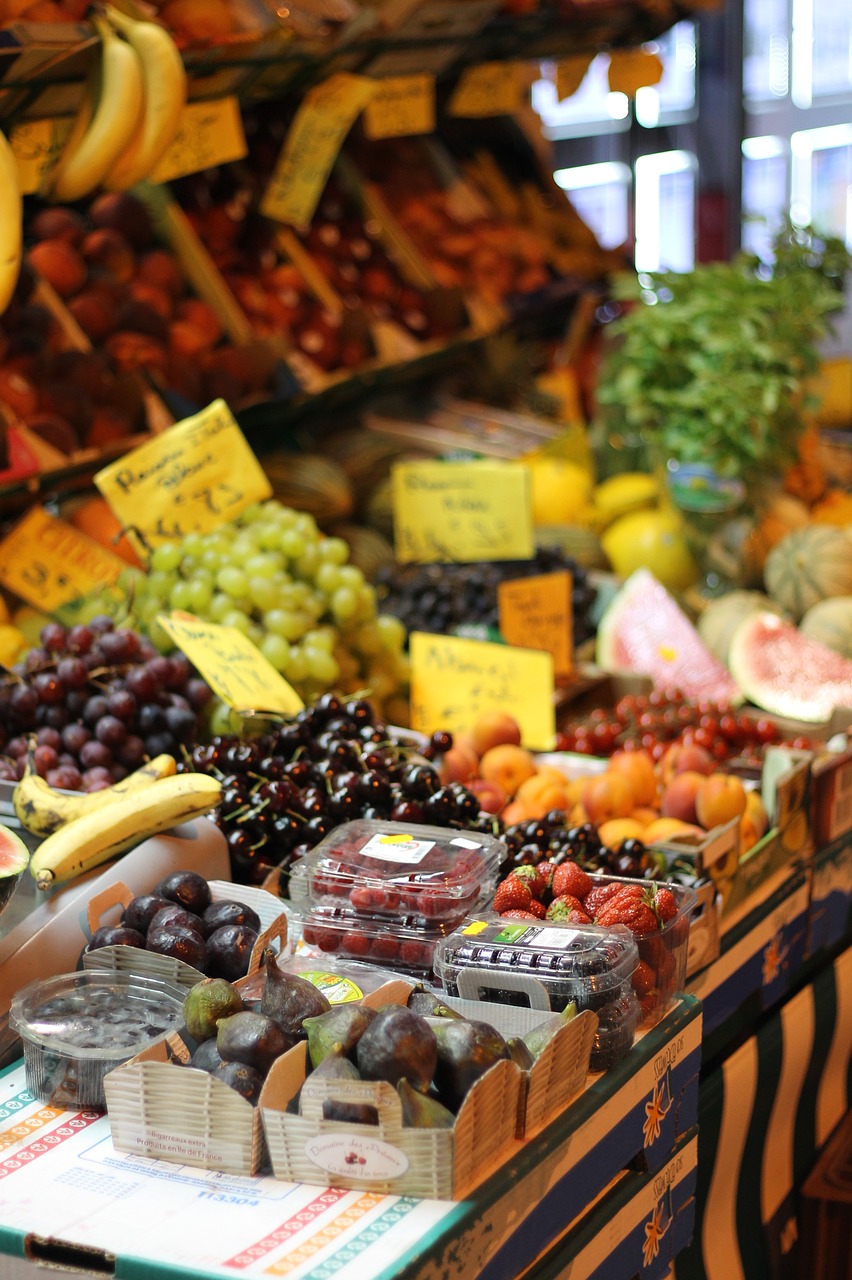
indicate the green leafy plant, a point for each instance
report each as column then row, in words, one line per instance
column 711, row 365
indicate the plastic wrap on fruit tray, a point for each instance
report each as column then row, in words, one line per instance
column 393, row 869
column 405, row 944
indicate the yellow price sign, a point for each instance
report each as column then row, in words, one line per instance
column 210, row 133
column 537, row 613
column 453, row 680
column 36, row 145
column 232, row 665
column 400, row 107
column 570, row 74
column 448, row 512
column 633, row 69
column 326, row 115
column 490, row 89
column 49, row 563
column 191, row 478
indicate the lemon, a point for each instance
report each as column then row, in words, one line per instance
column 620, row 494
column 652, row 540
column 13, row 644
column 561, row 491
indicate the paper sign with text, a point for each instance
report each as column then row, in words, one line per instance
column 210, row 133
column 325, row 116
column 36, row 145
column 401, row 106
column 451, row 512
column 232, row 665
column 490, row 89
column 537, row 613
column 49, row 563
column 453, row 680
column 191, row 478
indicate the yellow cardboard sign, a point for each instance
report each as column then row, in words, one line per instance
column 210, row 133
column 49, row 563
column 190, row 478
column 490, row 89
column 36, row 145
column 537, row 613
column 325, row 116
column 448, row 512
column 570, row 74
column 632, row 69
column 232, row 665
column 453, row 680
column 400, row 107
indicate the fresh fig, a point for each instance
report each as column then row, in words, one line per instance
column 252, row 1038
column 289, row 999
column 421, row 1111
column 398, row 1043
column 206, row 1002
column 466, row 1049
column 342, row 1025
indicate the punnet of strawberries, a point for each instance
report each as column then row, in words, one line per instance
column 657, row 915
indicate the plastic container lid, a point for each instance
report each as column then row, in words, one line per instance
column 405, row 944
column 394, row 869
column 76, row 1027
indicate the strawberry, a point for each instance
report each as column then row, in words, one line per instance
column 628, row 908
column 571, row 879
column 537, row 909
column 512, row 894
column 597, row 896
column 665, row 904
column 532, row 878
column 561, row 907
column 517, row 914
column 547, row 871
column 644, row 979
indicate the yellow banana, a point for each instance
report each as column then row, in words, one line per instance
column 41, row 809
column 106, row 122
column 11, row 219
column 164, row 86
column 89, row 841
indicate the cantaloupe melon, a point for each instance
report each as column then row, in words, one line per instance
column 830, row 622
column 720, row 618
column 809, row 565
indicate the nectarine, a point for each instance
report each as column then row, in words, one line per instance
column 678, row 798
column 458, row 764
column 638, row 769
column 606, row 795
column 507, row 764
column 720, row 798
column 493, row 727
column 682, row 756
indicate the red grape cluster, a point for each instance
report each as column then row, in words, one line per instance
column 94, row 701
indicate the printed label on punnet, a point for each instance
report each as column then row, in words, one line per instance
column 396, row 848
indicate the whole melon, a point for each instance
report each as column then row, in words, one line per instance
column 718, row 621
column 809, row 565
column 830, row 622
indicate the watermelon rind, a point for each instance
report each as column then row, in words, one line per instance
column 644, row 631
column 787, row 673
column 14, row 859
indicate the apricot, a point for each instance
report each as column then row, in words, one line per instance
column 493, row 727
column 615, row 831
column 606, row 795
column 681, row 757
column 644, row 814
column 638, row 769
column 515, row 811
column 507, row 764
column 755, row 811
column 60, row 264
column 679, row 796
column 720, row 798
column 664, row 830
column 543, row 792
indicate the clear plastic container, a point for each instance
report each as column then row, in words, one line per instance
column 75, row 1027
column 404, row 945
column 547, row 966
column 393, row 869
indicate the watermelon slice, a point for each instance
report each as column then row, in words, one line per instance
column 643, row 630
column 14, row 859
column 785, row 672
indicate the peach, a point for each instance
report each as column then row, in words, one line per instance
column 615, row 831
column 680, row 757
column 459, row 763
column 507, row 764
column 720, row 798
column 544, row 792
column 606, row 795
column 491, row 796
column 664, row 830
column 60, row 264
column 638, row 768
column 678, row 798
column 644, row 814
column 492, row 728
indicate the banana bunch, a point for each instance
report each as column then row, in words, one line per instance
column 41, row 809
column 92, row 838
column 130, row 113
column 11, row 223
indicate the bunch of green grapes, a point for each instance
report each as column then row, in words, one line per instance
column 273, row 575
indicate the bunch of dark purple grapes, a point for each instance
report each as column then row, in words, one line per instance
column 92, row 702
column 551, row 838
column 333, row 762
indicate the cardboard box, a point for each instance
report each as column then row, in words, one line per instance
column 830, row 910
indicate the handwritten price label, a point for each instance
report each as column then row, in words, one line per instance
column 232, row 665
column 36, row 145
column 210, row 133
column 537, row 612
column 191, row 478
column 453, row 680
column 316, row 135
column 49, row 563
column 401, row 106
column 449, row 512
column 490, row 89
